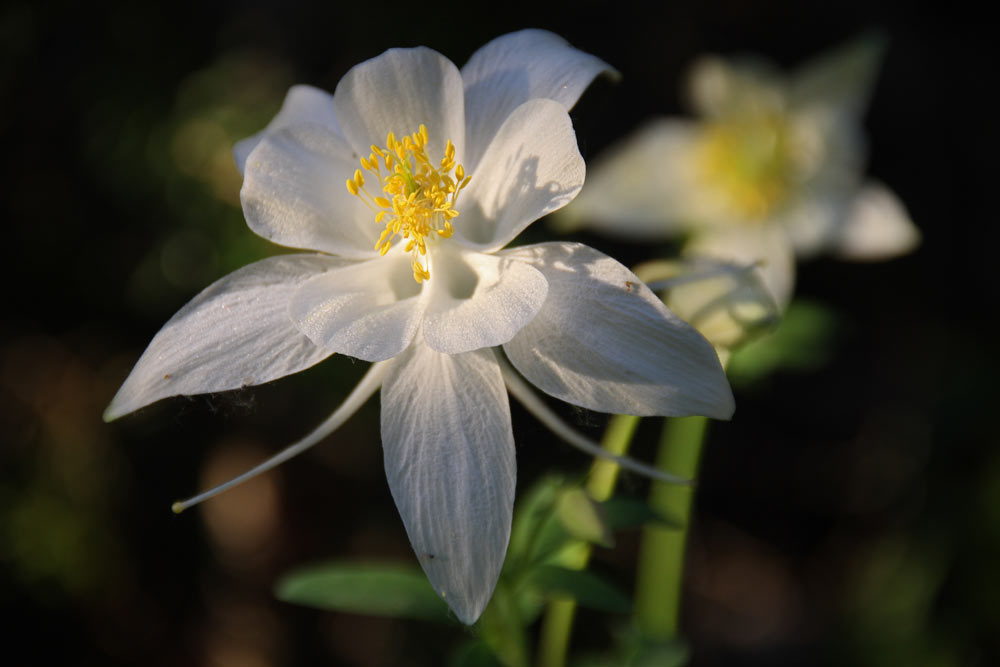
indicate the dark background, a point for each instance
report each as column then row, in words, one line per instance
column 848, row 515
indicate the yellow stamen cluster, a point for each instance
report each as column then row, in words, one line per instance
column 419, row 198
column 750, row 159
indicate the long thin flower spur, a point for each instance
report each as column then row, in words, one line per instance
column 443, row 168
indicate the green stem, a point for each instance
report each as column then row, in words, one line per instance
column 557, row 624
column 660, row 570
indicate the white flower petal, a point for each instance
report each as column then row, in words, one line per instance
column 531, row 168
column 811, row 222
column 604, row 341
column 368, row 310
column 396, row 92
column 718, row 87
column 842, row 79
column 515, row 68
column 303, row 105
column 235, row 333
column 765, row 245
column 644, row 188
column 479, row 300
column 294, row 193
column 877, row 227
column 820, row 204
column 449, row 459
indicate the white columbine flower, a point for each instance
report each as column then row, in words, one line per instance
column 771, row 171
column 443, row 168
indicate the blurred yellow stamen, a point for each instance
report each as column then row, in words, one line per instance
column 750, row 160
column 419, row 197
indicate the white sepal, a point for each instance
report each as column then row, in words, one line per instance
column 449, row 459
column 604, row 341
column 878, row 227
column 646, row 187
column 235, row 333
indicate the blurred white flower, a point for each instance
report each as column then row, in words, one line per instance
column 443, row 168
column 727, row 303
column 773, row 169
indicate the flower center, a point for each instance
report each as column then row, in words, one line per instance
column 417, row 203
column 751, row 160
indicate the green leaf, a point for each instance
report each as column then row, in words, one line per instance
column 397, row 591
column 530, row 513
column 661, row 655
column 502, row 628
column 583, row 518
column 475, row 653
column 632, row 650
column 586, row 588
column 552, row 538
column 624, row 512
column 802, row 342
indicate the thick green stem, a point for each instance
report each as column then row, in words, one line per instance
column 660, row 570
column 557, row 625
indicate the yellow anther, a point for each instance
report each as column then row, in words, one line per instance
column 417, row 201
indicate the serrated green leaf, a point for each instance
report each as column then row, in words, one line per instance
column 396, row 591
column 585, row 587
column 623, row 512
